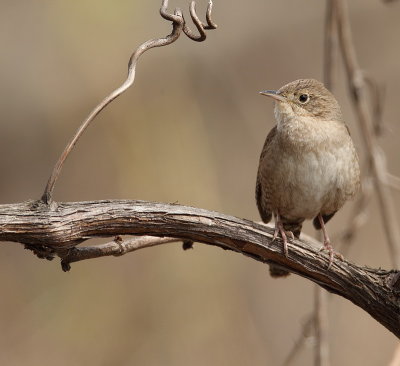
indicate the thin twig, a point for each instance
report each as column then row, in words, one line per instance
column 321, row 327
column 117, row 247
column 306, row 332
column 320, row 316
column 330, row 45
column 358, row 88
column 177, row 28
column 198, row 23
column 377, row 97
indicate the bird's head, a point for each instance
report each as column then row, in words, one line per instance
column 305, row 98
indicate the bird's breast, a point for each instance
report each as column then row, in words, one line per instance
column 308, row 176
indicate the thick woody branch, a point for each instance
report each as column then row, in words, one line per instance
column 57, row 230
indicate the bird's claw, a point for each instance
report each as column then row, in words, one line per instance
column 280, row 230
column 276, row 232
column 332, row 253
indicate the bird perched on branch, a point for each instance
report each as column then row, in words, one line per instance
column 308, row 166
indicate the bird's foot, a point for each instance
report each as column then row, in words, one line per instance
column 332, row 253
column 284, row 234
column 327, row 244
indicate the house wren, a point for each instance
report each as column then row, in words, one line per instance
column 308, row 166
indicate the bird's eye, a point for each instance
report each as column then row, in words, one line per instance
column 304, row 98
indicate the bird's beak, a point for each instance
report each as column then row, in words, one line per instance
column 273, row 94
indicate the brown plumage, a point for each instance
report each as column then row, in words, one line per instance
column 308, row 166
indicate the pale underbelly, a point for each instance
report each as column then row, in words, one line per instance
column 310, row 184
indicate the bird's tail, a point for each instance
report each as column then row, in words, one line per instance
column 294, row 227
column 326, row 218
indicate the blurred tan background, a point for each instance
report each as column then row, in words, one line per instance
column 190, row 130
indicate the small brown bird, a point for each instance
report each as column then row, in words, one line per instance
column 308, row 166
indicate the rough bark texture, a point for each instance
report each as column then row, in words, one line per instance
column 57, row 229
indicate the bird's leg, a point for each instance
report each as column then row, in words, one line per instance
column 327, row 243
column 280, row 230
column 276, row 231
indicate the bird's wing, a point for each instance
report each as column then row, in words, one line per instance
column 264, row 211
column 270, row 137
column 265, row 214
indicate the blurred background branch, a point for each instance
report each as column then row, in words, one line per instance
column 358, row 91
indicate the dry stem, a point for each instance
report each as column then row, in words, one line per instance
column 358, row 91
column 178, row 25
